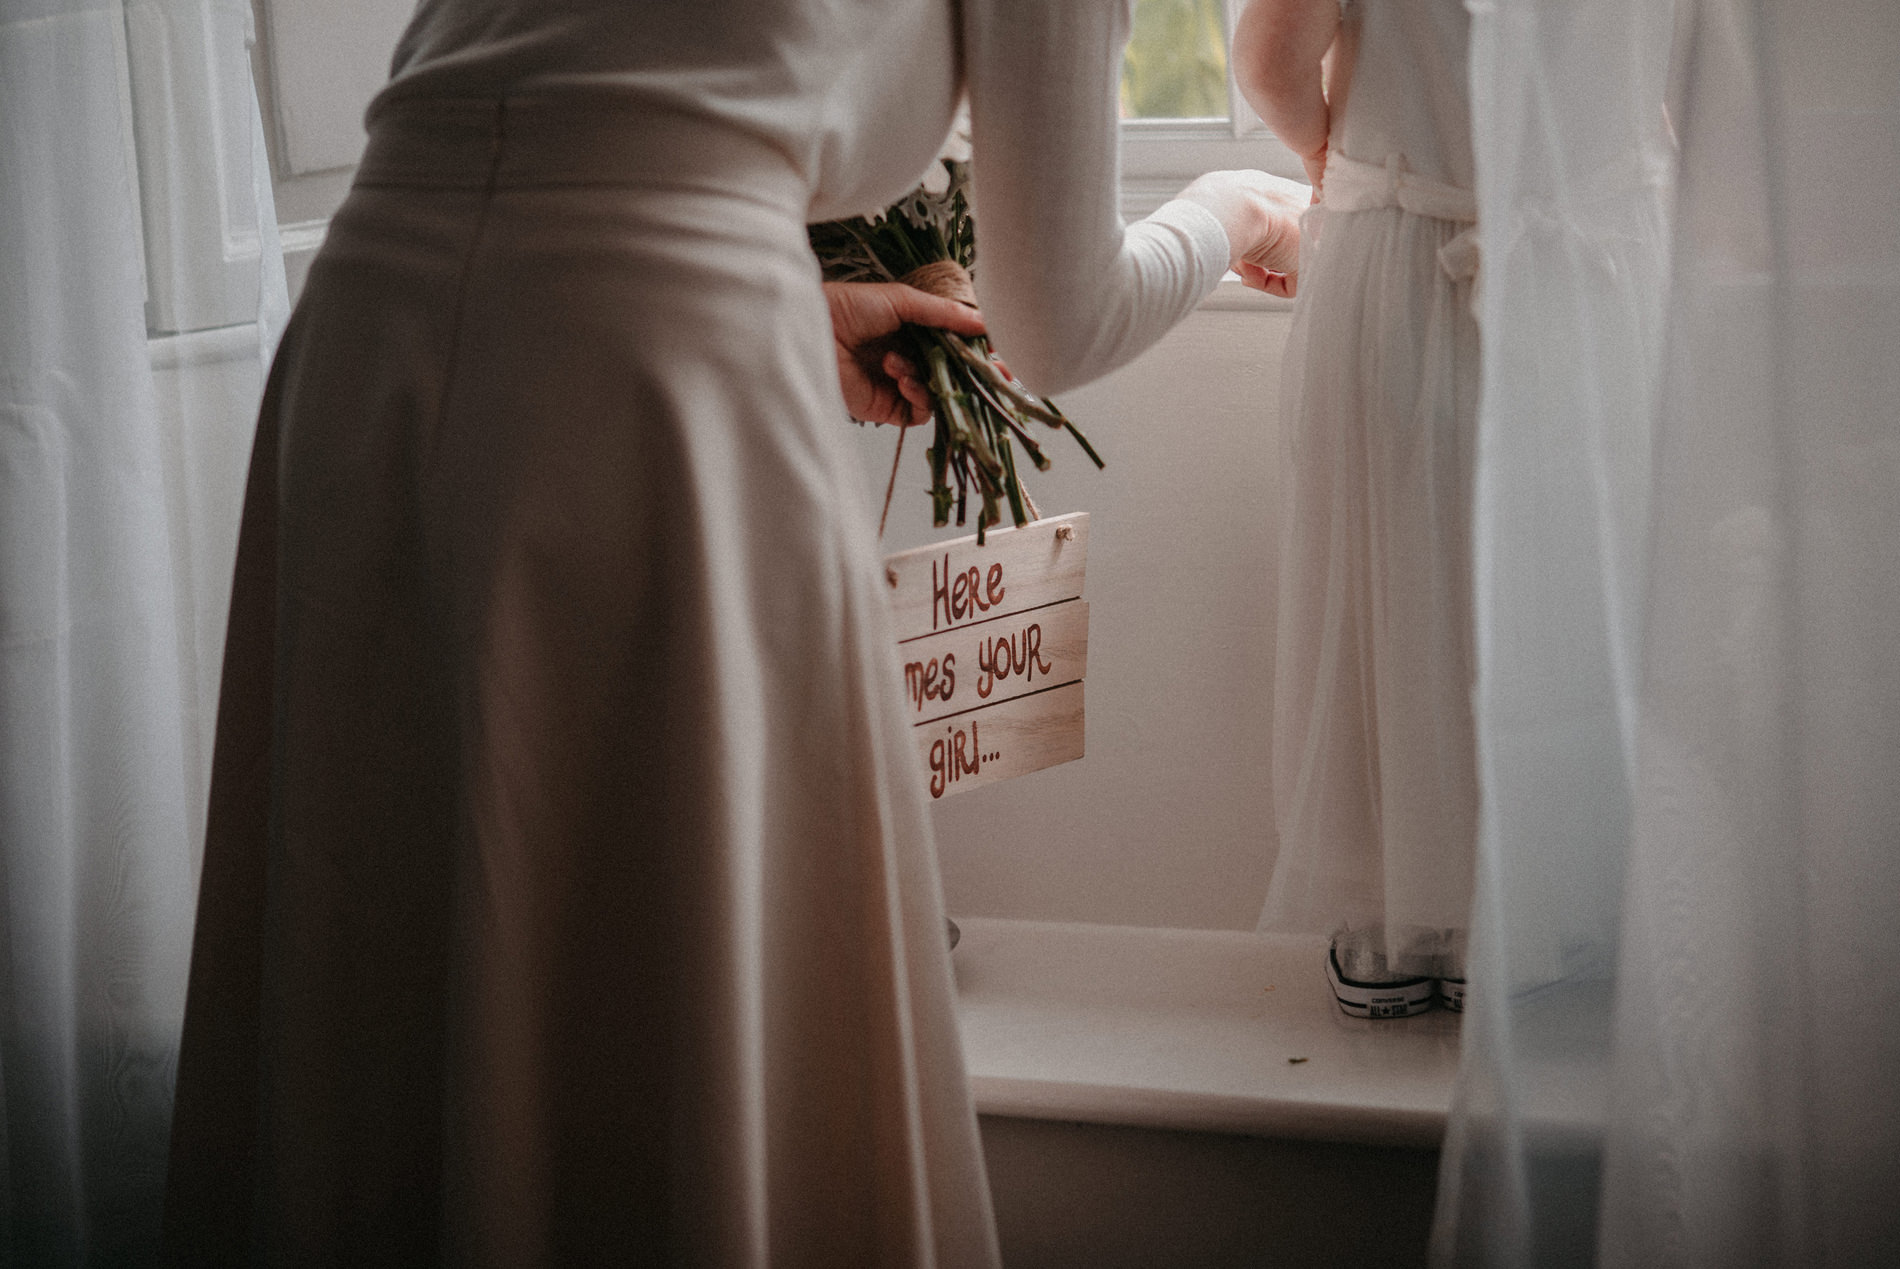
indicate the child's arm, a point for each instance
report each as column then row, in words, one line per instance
column 1278, row 47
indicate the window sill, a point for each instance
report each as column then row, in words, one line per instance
column 1193, row 1030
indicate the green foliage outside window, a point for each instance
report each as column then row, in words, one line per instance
column 1176, row 67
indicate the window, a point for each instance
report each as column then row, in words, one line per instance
column 1176, row 64
column 1181, row 112
column 195, row 137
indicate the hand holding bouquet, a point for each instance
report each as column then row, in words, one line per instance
column 881, row 383
column 982, row 414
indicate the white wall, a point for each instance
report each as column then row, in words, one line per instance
column 1100, row 1196
column 1167, row 821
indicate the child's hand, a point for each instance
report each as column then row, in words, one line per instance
column 1315, row 165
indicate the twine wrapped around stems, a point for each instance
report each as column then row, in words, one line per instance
column 943, row 278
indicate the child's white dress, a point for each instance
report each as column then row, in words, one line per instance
column 1375, row 788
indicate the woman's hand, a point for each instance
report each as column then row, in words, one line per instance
column 1261, row 214
column 881, row 384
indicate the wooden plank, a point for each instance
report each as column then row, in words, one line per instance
column 995, row 660
column 1002, row 741
column 951, row 584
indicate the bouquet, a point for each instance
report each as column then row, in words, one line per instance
column 982, row 414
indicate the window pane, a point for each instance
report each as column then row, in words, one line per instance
column 1176, row 66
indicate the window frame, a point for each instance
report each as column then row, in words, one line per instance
column 1159, row 156
column 195, row 139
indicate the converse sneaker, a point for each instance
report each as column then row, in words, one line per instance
column 1364, row 987
column 1451, row 983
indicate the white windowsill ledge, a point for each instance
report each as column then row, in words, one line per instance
column 1190, row 1029
column 1233, row 295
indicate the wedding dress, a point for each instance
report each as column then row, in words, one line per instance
column 569, row 894
column 1373, row 753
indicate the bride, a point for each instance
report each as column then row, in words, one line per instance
column 568, row 893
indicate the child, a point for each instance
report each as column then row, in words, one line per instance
column 1374, row 777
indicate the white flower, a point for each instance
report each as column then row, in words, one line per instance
column 956, row 146
column 955, row 149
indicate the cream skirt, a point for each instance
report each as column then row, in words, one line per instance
column 569, row 894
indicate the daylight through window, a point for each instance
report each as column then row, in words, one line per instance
column 1176, row 65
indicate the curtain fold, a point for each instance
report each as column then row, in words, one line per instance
column 1681, row 1044
column 1756, row 1117
column 100, row 788
column 1573, row 168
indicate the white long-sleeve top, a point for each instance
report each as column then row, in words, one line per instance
column 858, row 95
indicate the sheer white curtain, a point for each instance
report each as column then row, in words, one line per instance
column 1684, row 1038
column 135, row 261
column 1755, row 1117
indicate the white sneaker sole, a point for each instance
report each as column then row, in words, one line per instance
column 1399, row 999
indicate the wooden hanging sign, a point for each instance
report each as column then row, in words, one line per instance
column 993, row 641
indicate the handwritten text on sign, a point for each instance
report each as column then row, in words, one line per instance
column 994, row 645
